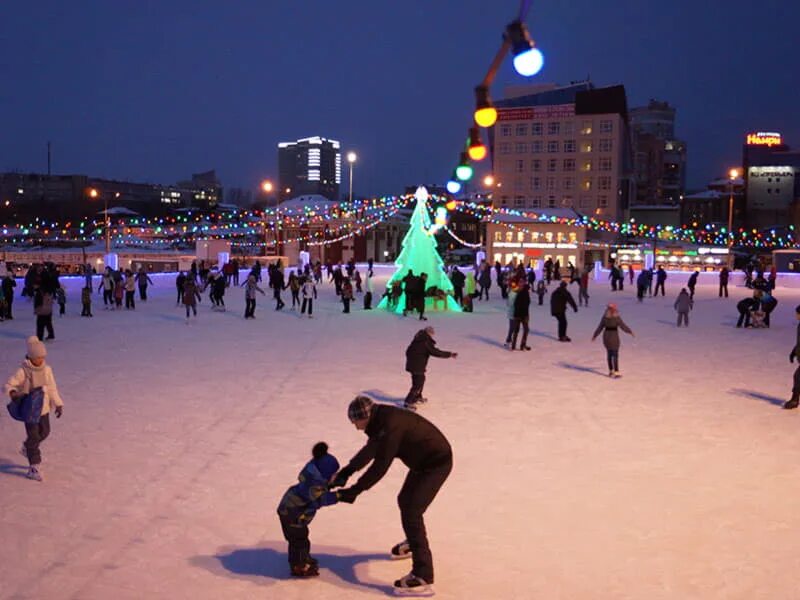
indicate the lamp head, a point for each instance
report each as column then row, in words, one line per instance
column 475, row 147
column 485, row 112
column 528, row 60
column 464, row 169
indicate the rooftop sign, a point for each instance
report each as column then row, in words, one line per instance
column 764, row 138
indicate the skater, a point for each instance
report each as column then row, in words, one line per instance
column 32, row 374
column 43, row 309
column 683, row 304
column 610, row 324
column 119, row 290
column 309, row 293
column 541, row 290
column 250, row 289
column 661, row 277
column 692, row 283
column 277, row 285
column 179, row 281
column 583, row 289
column 548, row 270
column 630, row 273
column 396, row 433
column 484, row 280
column 191, row 296
column 107, row 285
column 510, row 296
column 558, row 308
column 218, row 285
column 768, row 304
column 142, row 279
column 724, row 275
column 61, row 299
column 368, row 286
column 130, row 289
column 301, row 502
column 469, row 291
column 86, row 301
column 746, row 308
column 421, row 348
column 7, row 287
column 357, row 281
column 522, row 305
column 641, row 285
column 457, row 279
column 294, row 287
column 795, row 353
column 347, row 294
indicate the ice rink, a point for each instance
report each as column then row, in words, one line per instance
column 679, row 480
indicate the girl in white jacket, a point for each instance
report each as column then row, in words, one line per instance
column 31, row 374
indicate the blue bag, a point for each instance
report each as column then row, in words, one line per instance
column 28, row 408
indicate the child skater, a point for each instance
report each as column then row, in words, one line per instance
column 35, row 373
column 609, row 325
column 301, row 502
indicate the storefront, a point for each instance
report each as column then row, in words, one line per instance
column 697, row 258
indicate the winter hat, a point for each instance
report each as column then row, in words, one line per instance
column 430, row 330
column 326, row 463
column 36, row 348
column 360, row 408
column 797, row 310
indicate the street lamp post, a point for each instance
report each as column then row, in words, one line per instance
column 93, row 194
column 351, row 158
column 732, row 175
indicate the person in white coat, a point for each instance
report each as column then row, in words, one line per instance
column 34, row 373
column 309, row 291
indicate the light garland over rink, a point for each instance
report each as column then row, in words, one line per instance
column 359, row 216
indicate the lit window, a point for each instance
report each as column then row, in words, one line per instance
column 586, row 165
column 586, row 128
column 509, row 236
column 586, row 185
column 521, row 234
column 498, row 236
column 586, row 147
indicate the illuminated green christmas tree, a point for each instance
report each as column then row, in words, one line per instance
column 419, row 255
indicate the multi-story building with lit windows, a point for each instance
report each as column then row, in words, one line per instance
column 563, row 149
column 310, row 166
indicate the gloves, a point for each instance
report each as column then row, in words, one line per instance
column 791, row 356
column 59, row 411
column 454, row 355
column 348, row 495
column 340, row 479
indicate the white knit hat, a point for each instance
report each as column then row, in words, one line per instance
column 36, row 348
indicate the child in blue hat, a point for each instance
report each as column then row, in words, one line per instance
column 301, row 502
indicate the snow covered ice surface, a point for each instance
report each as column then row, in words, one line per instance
column 679, row 480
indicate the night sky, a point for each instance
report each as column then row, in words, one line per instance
column 155, row 90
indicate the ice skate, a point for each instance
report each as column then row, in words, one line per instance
column 793, row 403
column 411, row 585
column 617, row 374
column 410, row 405
column 34, row 473
column 525, row 348
column 400, row 551
column 306, row 569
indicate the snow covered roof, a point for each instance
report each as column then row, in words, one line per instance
column 704, row 195
column 314, row 201
column 558, row 213
column 119, row 210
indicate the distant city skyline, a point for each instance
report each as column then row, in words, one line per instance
column 154, row 91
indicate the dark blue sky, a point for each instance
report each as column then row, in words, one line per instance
column 154, row 90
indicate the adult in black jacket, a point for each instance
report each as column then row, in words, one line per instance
column 8, row 293
column 558, row 308
column 795, row 353
column 522, row 304
column 458, row 279
column 421, row 348
column 397, row 433
column 745, row 308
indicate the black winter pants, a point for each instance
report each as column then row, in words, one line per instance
column 108, row 297
column 307, row 302
column 37, row 433
column 744, row 317
column 418, row 491
column 279, row 303
column 562, row 325
column 130, row 301
column 368, row 301
column 249, row 307
column 417, row 383
column 613, row 359
column 9, row 304
column 659, row 286
column 143, row 292
column 44, row 322
column 723, row 288
column 180, row 296
column 524, row 342
column 299, row 544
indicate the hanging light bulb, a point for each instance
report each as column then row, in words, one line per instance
column 476, row 149
column 528, row 60
column 485, row 112
column 454, row 185
column 464, row 169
